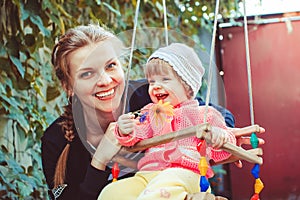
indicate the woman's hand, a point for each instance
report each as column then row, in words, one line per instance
column 242, row 136
column 107, row 148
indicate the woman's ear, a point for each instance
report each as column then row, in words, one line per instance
column 67, row 89
column 70, row 92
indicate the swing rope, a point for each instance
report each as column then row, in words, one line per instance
column 131, row 54
column 248, row 65
column 201, row 147
column 165, row 22
column 258, row 185
column 212, row 49
column 115, row 169
column 135, row 22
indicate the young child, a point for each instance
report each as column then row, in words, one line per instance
column 169, row 171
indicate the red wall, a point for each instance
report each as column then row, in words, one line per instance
column 275, row 63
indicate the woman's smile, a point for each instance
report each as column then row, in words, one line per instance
column 105, row 95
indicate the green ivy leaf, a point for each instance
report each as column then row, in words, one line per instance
column 18, row 64
column 2, row 89
column 14, row 166
column 24, row 13
column 30, row 143
column 21, row 134
column 111, row 9
column 20, row 119
column 52, row 93
column 36, row 156
column 11, row 101
column 24, row 188
column 38, row 21
column 2, row 51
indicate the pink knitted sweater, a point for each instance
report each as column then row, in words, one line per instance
column 182, row 153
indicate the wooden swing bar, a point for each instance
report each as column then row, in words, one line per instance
column 202, row 131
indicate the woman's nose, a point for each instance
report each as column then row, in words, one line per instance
column 104, row 79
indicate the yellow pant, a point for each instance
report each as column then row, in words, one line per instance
column 172, row 183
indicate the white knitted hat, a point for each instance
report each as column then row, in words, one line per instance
column 184, row 61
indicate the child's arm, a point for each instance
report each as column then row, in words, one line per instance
column 126, row 123
column 124, row 130
column 129, row 130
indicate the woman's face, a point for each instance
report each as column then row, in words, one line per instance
column 97, row 76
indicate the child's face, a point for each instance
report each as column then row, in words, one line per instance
column 166, row 87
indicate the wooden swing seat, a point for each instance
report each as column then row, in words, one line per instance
column 201, row 131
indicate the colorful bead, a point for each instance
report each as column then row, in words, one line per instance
column 143, row 117
column 204, row 184
column 203, row 166
column 201, row 147
column 115, row 171
column 255, row 171
column 254, row 140
column 255, row 197
column 258, row 186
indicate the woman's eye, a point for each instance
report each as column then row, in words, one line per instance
column 86, row 74
column 166, row 79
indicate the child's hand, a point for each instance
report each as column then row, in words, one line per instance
column 219, row 137
column 126, row 123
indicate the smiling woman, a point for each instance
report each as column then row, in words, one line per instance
column 75, row 148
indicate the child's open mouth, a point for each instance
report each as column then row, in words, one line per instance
column 161, row 96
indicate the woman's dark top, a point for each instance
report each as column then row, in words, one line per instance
column 83, row 180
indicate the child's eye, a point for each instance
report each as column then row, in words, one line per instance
column 111, row 65
column 151, row 81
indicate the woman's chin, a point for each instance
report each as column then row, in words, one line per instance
column 110, row 107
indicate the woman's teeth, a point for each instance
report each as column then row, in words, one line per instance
column 105, row 94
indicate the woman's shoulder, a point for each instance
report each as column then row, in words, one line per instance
column 138, row 86
column 138, row 94
column 54, row 131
